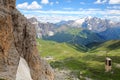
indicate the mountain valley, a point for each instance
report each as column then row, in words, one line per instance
column 79, row 53
column 71, row 62
column 82, row 32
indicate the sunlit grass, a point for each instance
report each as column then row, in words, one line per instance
column 91, row 64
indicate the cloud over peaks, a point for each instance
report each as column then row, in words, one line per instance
column 100, row 2
column 114, row 1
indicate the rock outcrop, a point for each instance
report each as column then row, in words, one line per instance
column 18, row 39
column 23, row 71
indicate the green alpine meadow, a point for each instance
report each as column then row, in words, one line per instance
column 83, row 63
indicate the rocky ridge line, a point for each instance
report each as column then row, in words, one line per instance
column 18, row 39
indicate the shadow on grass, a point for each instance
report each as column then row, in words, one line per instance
column 79, row 48
column 114, row 46
column 93, row 58
column 2, row 79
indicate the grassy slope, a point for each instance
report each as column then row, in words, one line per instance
column 90, row 64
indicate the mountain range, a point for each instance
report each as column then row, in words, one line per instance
column 83, row 31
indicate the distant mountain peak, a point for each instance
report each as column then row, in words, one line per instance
column 97, row 24
column 32, row 20
column 79, row 21
column 88, row 17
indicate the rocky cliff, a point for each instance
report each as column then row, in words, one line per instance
column 18, row 39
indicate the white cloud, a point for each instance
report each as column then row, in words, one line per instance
column 59, row 12
column 33, row 5
column 93, row 9
column 100, row 1
column 113, row 7
column 53, row 18
column 80, row 12
column 114, row 18
column 57, row 2
column 113, row 12
column 23, row 5
column 68, row 8
column 45, row 1
column 56, row 16
column 114, row 1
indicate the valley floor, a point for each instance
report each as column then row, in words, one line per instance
column 73, row 63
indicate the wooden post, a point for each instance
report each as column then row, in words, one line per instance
column 108, row 64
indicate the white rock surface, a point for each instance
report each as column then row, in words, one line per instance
column 23, row 72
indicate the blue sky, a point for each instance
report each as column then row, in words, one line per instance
column 57, row 10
